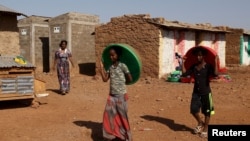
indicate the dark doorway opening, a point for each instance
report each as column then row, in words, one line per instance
column 45, row 53
column 87, row 69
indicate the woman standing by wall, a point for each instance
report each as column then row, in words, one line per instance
column 62, row 58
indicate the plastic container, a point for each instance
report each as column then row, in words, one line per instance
column 129, row 56
column 173, row 79
column 192, row 59
column 187, row 80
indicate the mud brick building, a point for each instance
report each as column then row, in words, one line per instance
column 238, row 47
column 9, row 31
column 157, row 40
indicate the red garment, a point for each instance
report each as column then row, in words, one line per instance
column 115, row 118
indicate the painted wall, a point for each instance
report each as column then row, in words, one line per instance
column 189, row 41
column 174, row 41
column 171, row 42
column 217, row 42
column 184, row 41
column 166, row 53
column 245, row 51
column 156, row 44
column 221, row 49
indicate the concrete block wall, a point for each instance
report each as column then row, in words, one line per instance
column 35, row 43
column 25, row 43
column 55, row 39
column 41, row 50
column 78, row 29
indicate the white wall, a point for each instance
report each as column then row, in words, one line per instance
column 245, row 56
column 168, row 47
column 189, row 40
column 222, row 50
column 181, row 42
column 166, row 53
column 217, row 42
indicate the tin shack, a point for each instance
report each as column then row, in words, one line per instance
column 16, row 78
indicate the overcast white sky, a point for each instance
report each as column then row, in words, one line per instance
column 230, row 13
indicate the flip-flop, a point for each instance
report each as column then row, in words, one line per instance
column 198, row 129
column 203, row 134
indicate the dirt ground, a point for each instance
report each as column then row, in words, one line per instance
column 158, row 110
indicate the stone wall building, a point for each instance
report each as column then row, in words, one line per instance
column 238, row 47
column 157, row 40
column 34, row 41
column 78, row 29
column 40, row 38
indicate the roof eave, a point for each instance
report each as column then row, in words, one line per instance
column 14, row 13
column 177, row 26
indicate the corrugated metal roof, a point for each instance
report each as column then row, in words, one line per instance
column 9, row 62
column 8, row 10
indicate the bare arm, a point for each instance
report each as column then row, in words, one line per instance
column 183, row 66
column 129, row 78
column 54, row 65
column 72, row 62
column 216, row 70
column 104, row 74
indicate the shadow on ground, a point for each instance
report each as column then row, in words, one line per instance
column 55, row 91
column 13, row 104
column 95, row 127
column 169, row 122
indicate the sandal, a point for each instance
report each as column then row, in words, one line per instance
column 198, row 129
column 203, row 135
column 63, row 92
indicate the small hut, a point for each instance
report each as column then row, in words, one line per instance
column 16, row 78
column 157, row 40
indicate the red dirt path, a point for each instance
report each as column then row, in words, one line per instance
column 159, row 106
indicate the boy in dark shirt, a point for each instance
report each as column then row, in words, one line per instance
column 201, row 96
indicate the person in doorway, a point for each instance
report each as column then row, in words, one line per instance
column 115, row 118
column 179, row 59
column 202, row 95
column 62, row 58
